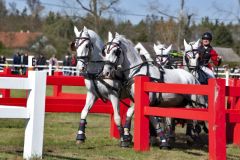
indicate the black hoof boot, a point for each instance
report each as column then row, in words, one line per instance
column 80, row 138
column 165, row 145
column 194, row 140
column 126, row 141
column 190, row 140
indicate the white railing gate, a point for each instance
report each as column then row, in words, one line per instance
column 34, row 112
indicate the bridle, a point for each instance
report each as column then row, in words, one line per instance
column 194, row 54
column 76, row 43
column 161, row 56
column 117, row 52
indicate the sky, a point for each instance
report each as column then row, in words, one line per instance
column 136, row 10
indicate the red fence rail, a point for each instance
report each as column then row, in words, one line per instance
column 215, row 114
column 65, row 102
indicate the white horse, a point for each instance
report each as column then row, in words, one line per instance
column 191, row 62
column 162, row 54
column 119, row 53
column 88, row 46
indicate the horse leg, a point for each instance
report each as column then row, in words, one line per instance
column 117, row 119
column 127, row 137
column 90, row 100
column 170, row 129
column 160, row 133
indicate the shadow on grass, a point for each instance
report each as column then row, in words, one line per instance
column 233, row 157
column 181, row 145
column 46, row 155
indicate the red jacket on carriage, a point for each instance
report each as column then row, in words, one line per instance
column 207, row 53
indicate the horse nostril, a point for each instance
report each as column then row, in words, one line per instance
column 107, row 73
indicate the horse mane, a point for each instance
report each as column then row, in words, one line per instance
column 129, row 46
column 98, row 44
column 95, row 39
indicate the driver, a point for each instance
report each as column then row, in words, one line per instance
column 207, row 52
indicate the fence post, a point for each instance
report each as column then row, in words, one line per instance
column 236, row 132
column 6, row 92
column 217, row 120
column 231, row 103
column 141, row 122
column 33, row 141
column 57, row 89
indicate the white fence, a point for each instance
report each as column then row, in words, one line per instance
column 34, row 112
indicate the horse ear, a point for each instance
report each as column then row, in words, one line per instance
column 196, row 44
column 85, row 29
column 185, row 44
column 76, row 31
column 117, row 34
column 166, row 51
column 155, row 48
column 110, row 36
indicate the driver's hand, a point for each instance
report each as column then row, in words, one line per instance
column 219, row 58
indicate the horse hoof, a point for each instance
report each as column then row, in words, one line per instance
column 80, row 138
column 79, row 141
column 165, row 145
column 191, row 140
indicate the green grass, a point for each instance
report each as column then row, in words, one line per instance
column 59, row 142
column 60, row 132
column 49, row 91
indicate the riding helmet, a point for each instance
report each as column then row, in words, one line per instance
column 207, row 36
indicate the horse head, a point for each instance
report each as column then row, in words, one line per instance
column 162, row 53
column 191, row 54
column 113, row 54
column 82, row 44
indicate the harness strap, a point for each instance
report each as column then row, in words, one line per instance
column 98, row 93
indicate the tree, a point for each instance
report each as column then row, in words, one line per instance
column 222, row 36
column 3, row 13
column 3, row 9
column 141, row 32
column 35, row 7
column 13, row 8
column 59, row 31
column 96, row 9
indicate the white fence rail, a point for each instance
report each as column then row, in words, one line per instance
column 34, row 112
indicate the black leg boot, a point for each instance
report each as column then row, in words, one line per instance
column 121, row 132
column 163, row 139
column 190, row 135
column 81, row 131
column 171, row 134
column 127, row 137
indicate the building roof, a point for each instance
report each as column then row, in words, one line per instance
column 18, row 39
column 227, row 54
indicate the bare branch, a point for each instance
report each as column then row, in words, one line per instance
column 154, row 7
column 90, row 5
column 228, row 12
column 105, row 7
column 83, row 7
column 170, row 16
